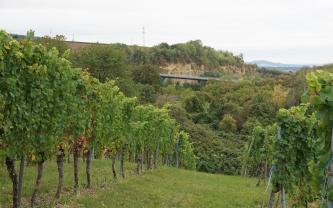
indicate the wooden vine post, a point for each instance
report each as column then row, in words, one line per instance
column 282, row 193
column 272, row 196
column 177, row 153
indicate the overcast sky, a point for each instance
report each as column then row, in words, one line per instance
column 288, row 31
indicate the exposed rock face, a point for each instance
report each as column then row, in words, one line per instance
column 196, row 70
column 239, row 70
column 189, row 69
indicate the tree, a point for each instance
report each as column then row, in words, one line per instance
column 228, row 124
column 104, row 62
column 147, row 74
column 194, row 104
column 279, row 96
column 147, row 94
column 57, row 41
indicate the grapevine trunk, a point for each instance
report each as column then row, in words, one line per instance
column 10, row 163
column 20, row 180
column 38, row 179
column 114, row 167
column 88, row 165
column 155, row 157
column 76, row 170
column 60, row 162
column 122, row 173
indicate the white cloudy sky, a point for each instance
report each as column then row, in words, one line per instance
column 289, row 31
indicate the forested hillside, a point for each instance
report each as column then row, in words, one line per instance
column 191, row 58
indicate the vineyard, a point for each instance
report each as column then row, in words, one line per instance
column 56, row 115
column 49, row 108
column 297, row 149
column 162, row 187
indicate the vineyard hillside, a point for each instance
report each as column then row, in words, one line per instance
column 165, row 187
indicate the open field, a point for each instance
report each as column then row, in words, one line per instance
column 164, row 187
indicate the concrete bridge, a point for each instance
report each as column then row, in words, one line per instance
column 185, row 77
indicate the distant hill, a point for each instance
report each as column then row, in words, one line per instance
column 277, row 66
column 189, row 58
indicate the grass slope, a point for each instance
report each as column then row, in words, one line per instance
column 164, row 187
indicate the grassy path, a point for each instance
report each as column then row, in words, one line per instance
column 165, row 187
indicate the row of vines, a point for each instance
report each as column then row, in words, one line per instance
column 296, row 152
column 49, row 109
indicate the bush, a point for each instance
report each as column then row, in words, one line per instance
column 228, row 124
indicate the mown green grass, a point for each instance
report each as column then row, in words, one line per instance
column 164, row 187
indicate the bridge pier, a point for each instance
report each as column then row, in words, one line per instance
column 163, row 80
column 202, row 82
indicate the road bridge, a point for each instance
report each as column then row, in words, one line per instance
column 185, row 77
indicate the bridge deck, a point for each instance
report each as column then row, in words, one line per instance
column 186, row 77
